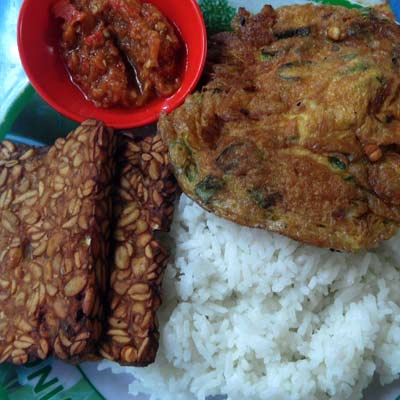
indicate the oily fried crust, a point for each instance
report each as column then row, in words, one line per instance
column 297, row 130
column 143, row 199
column 55, row 212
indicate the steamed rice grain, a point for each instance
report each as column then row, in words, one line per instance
column 254, row 315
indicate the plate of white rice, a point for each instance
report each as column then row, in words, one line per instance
column 248, row 314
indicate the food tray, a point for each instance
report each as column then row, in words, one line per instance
column 26, row 118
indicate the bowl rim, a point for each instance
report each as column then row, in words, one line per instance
column 154, row 112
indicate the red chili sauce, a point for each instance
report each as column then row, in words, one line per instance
column 119, row 52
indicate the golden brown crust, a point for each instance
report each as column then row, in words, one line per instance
column 55, row 212
column 143, row 199
column 296, row 129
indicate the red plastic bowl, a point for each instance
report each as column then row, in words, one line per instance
column 38, row 44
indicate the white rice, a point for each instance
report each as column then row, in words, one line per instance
column 254, row 315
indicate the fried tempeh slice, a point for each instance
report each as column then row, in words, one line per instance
column 55, row 212
column 142, row 204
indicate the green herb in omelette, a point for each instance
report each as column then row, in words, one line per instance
column 263, row 199
column 359, row 67
column 267, row 55
column 208, row 187
column 191, row 172
column 337, row 163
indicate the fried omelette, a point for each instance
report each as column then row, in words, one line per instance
column 297, row 128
